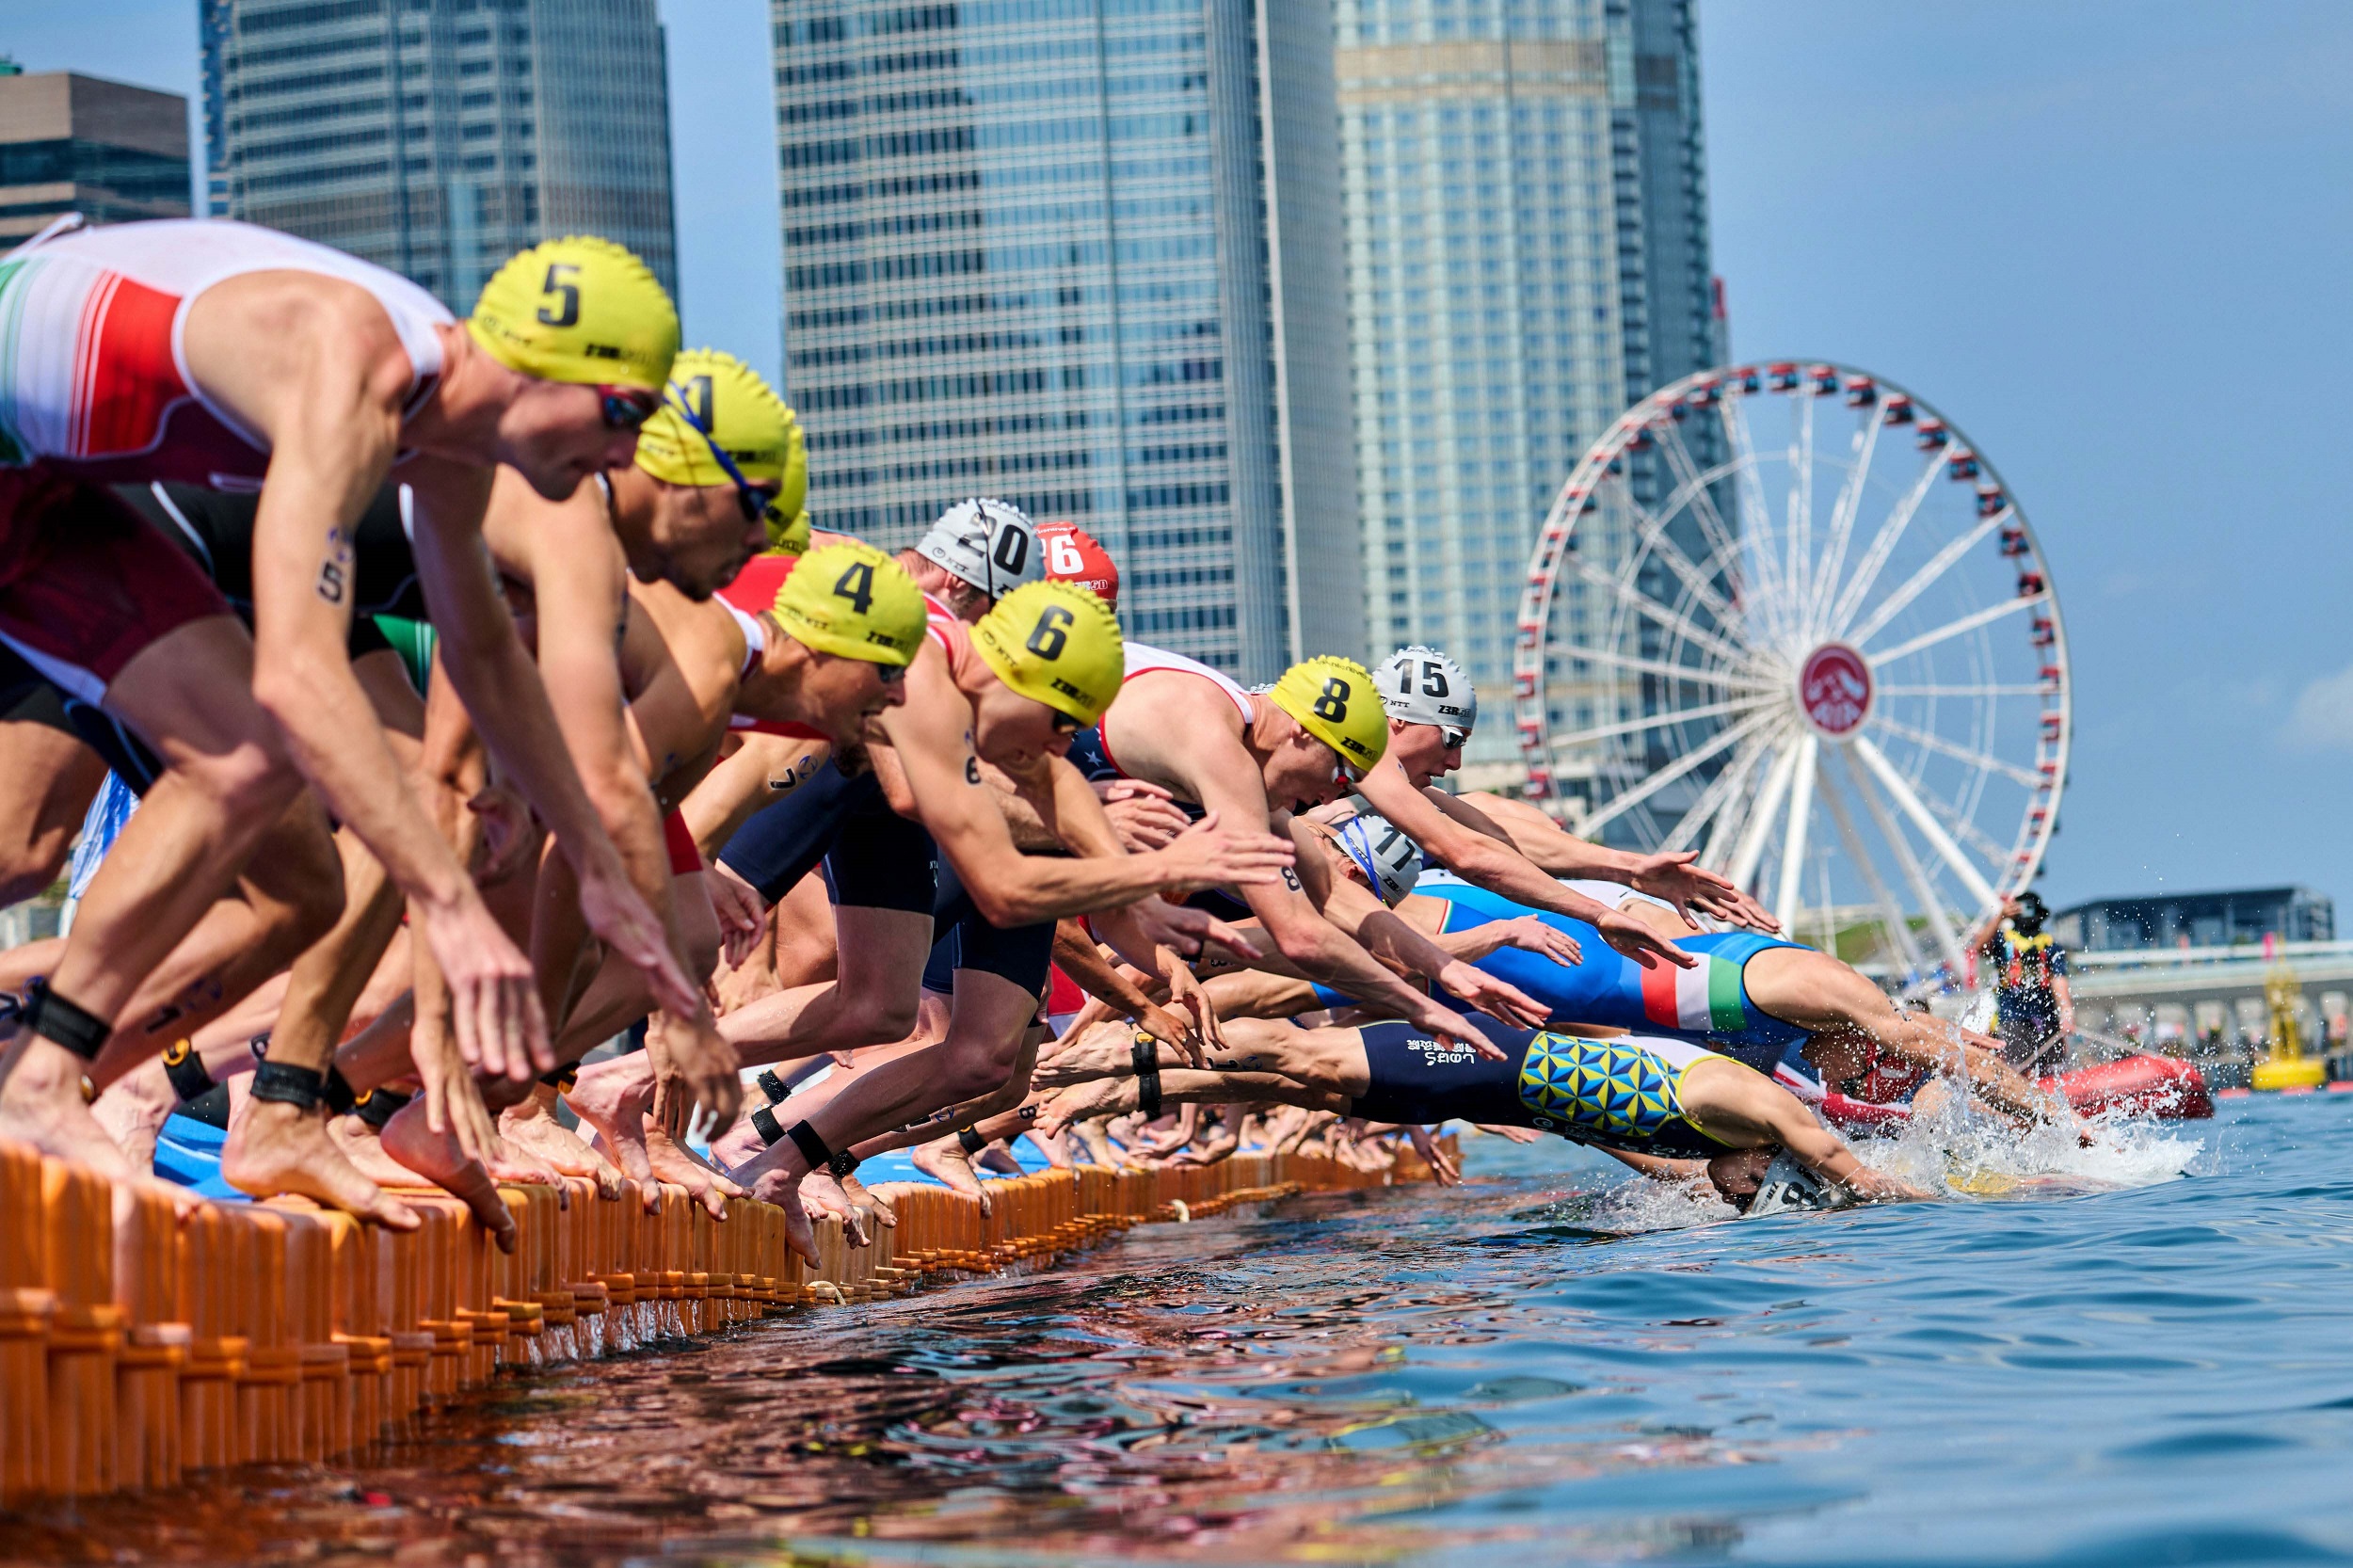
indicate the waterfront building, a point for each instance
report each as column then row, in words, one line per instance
column 1527, row 255
column 437, row 137
column 75, row 143
column 1082, row 255
column 2238, row 917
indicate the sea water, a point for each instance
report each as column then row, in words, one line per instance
column 2136, row 1354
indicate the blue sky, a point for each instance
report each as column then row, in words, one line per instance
column 2110, row 239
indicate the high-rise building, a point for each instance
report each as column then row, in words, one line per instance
column 438, row 136
column 1528, row 254
column 1082, row 255
column 74, row 143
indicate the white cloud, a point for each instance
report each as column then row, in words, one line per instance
column 2322, row 719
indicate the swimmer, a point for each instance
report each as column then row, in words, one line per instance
column 1644, row 1094
column 309, row 372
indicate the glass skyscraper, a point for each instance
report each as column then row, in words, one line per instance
column 1527, row 254
column 1082, row 255
column 438, row 136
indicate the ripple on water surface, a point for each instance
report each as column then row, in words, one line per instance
column 2097, row 1365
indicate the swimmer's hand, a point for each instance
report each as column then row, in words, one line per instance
column 1446, row 1026
column 1182, row 929
column 1530, row 933
column 743, row 914
column 495, row 1019
column 1675, row 879
column 616, row 914
column 507, row 838
column 1185, row 992
column 696, row 1075
column 1870, row 1186
column 1145, row 815
column 1207, row 856
column 1496, row 997
column 1639, row 942
column 1442, row 1165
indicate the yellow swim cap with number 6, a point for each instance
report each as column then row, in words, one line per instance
column 854, row 600
column 1335, row 700
column 581, row 310
column 1058, row 643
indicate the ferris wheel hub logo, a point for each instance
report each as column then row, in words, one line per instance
column 1834, row 688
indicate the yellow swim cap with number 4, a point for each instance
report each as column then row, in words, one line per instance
column 854, row 600
column 1058, row 643
column 1335, row 700
column 581, row 310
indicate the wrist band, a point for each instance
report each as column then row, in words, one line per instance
column 764, row 1123
column 843, row 1164
column 336, row 1091
column 186, row 1071
column 806, row 1139
column 1144, row 1054
column 287, row 1084
column 376, row 1106
column 56, row 1020
column 777, row 1088
column 561, row 1079
column 972, row 1141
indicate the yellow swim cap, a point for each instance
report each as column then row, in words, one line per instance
column 1058, row 643
column 788, row 538
column 715, row 399
column 1335, row 700
column 854, row 600
column 581, row 310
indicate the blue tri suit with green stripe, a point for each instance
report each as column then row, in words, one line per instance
column 1707, row 1006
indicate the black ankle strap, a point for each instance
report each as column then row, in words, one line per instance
column 1144, row 1055
column 335, row 1090
column 186, row 1071
column 971, row 1139
column 54, row 1018
column 812, row 1146
column 378, row 1105
column 777, row 1088
column 764, row 1123
column 287, row 1084
column 561, row 1079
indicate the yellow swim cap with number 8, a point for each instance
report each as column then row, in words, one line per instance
column 1058, row 643
column 854, row 600
column 1335, row 700
column 581, row 310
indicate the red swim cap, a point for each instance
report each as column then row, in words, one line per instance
column 1073, row 556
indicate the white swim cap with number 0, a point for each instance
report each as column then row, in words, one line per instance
column 990, row 544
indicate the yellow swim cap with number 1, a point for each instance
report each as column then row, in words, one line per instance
column 1335, row 700
column 581, row 310
column 1057, row 643
column 715, row 404
column 852, row 600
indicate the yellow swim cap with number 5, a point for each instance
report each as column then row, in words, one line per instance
column 581, row 310
column 1058, row 643
column 1335, row 700
column 854, row 600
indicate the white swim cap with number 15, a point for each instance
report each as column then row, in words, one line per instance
column 1421, row 685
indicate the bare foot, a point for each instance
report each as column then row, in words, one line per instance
column 275, row 1150
column 1099, row 1050
column 359, row 1144
column 435, row 1156
column 943, row 1161
column 995, row 1156
column 533, row 1125
column 1095, row 1144
column 675, row 1164
column 40, row 1104
column 858, row 1193
column 739, row 1142
column 615, row 1103
column 518, row 1166
column 134, row 1109
column 823, row 1194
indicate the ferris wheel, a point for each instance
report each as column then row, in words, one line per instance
column 1786, row 614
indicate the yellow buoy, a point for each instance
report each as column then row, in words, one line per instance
column 2287, row 1066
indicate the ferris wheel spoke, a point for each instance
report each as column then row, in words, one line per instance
column 1922, row 817
column 1929, row 741
column 1968, row 833
column 1673, row 621
column 1883, row 543
column 1731, row 735
column 1843, row 510
column 1793, row 839
column 1800, row 542
column 1969, row 622
column 1760, row 823
column 1657, row 539
column 1756, row 520
column 1712, row 799
column 1898, row 928
column 1917, row 583
column 1755, row 758
column 1695, row 487
column 1995, row 690
column 1915, row 875
column 1656, row 721
column 1698, row 675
